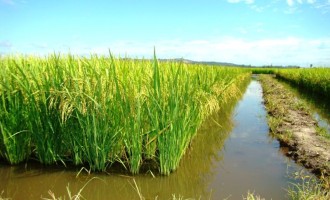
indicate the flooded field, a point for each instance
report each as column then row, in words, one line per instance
column 227, row 159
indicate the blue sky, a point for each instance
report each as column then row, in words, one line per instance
column 278, row 32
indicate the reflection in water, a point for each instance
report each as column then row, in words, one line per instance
column 252, row 161
column 226, row 160
column 190, row 180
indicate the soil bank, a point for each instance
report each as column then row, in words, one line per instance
column 291, row 122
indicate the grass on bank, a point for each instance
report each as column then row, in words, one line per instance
column 310, row 188
column 322, row 131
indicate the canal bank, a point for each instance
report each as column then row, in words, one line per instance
column 291, row 121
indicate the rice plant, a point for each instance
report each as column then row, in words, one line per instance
column 99, row 110
column 316, row 80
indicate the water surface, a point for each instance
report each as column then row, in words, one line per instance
column 231, row 155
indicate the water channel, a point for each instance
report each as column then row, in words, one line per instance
column 231, row 155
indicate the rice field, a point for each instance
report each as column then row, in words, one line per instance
column 101, row 110
column 316, row 80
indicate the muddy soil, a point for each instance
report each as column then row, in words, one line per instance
column 291, row 122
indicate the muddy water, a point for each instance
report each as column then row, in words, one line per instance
column 231, row 155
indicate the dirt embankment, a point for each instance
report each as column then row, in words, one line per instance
column 290, row 121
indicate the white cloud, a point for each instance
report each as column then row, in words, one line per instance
column 290, row 2
column 276, row 51
column 238, row 1
column 291, row 10
column 258, row 8
column 249, row 1
column 283, row 51
column 294, row 6
column 233, row 1
column 324, row 7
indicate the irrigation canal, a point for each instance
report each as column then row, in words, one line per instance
column 227, row 159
